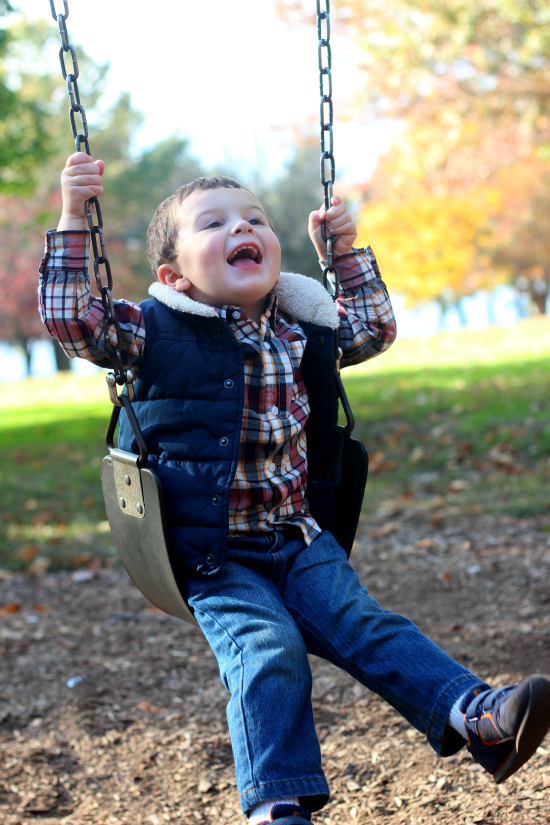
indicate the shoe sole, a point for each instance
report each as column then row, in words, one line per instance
column 533, row 728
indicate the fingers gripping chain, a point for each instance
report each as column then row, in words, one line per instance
column 80, row 135
column 328, row 169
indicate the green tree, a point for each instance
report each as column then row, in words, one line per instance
column 29, row 104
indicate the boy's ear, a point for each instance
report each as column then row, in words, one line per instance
column 170, row 275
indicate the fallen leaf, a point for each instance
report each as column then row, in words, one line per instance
column 500, row 457
column 41, row 519
column 38, row 567
column 416, row 455
column 80, row 559
column 5, row 576
column 457, row 485
column 386, row 529
column 146, row 707
column 12, row 607
column 28, row 552
column 424, row 543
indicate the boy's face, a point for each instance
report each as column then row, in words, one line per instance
column 227, row 252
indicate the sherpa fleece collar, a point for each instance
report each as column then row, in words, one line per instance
column 303, row 298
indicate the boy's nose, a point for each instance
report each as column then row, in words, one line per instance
column 242, row 226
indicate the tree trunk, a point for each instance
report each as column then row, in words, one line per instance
column 62, row 362
column 23, row 344
column 461, row 312
column 443, row 310
column 540, row 299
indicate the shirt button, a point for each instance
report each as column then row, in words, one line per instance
column 272, row 467
column 236, row 315
column 266, row 344
column 274, row 410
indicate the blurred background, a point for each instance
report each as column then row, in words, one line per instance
column 442, row 143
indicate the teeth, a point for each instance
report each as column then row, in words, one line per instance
column 241, row 248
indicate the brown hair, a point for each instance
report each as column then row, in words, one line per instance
column 162, row 235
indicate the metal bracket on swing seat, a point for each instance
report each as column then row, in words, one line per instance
column 126, row 465
column 128, row 482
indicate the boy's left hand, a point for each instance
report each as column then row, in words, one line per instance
column 339, row 223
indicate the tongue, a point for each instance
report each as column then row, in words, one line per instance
column 244, row 263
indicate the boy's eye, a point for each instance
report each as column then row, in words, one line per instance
column 255, row 220
column 213, row 225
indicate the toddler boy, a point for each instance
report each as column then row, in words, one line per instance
column 235, row 396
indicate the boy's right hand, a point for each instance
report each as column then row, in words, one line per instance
column 80, row 181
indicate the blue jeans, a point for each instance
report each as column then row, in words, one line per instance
column 271, row 605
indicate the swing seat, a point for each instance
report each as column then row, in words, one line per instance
column 335, row 491
column 349, row 493
column 134, row 503
column 142, row 542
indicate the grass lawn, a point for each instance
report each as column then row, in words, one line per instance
column 455, row 422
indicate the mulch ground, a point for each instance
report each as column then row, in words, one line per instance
column 111, row 712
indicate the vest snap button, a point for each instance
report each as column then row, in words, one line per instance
column 228, row 383
column 320, row 340
column 216, row 499
column 209, row 559
column 224, row 441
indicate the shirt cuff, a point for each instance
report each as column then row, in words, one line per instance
column 67, row 251
column 357, row 269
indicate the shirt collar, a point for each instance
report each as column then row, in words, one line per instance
column 228, row 312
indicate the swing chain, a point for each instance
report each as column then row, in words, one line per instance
column 328, row 169
column 80, row 135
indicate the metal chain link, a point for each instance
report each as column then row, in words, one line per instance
column 328, row 170
column 80, row 134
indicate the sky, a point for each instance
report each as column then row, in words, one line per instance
column 227, row 74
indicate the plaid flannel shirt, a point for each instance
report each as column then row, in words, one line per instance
column 270, row 480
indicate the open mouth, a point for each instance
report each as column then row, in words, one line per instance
column 245, row 257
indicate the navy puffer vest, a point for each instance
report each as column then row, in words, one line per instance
column 189, row 397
